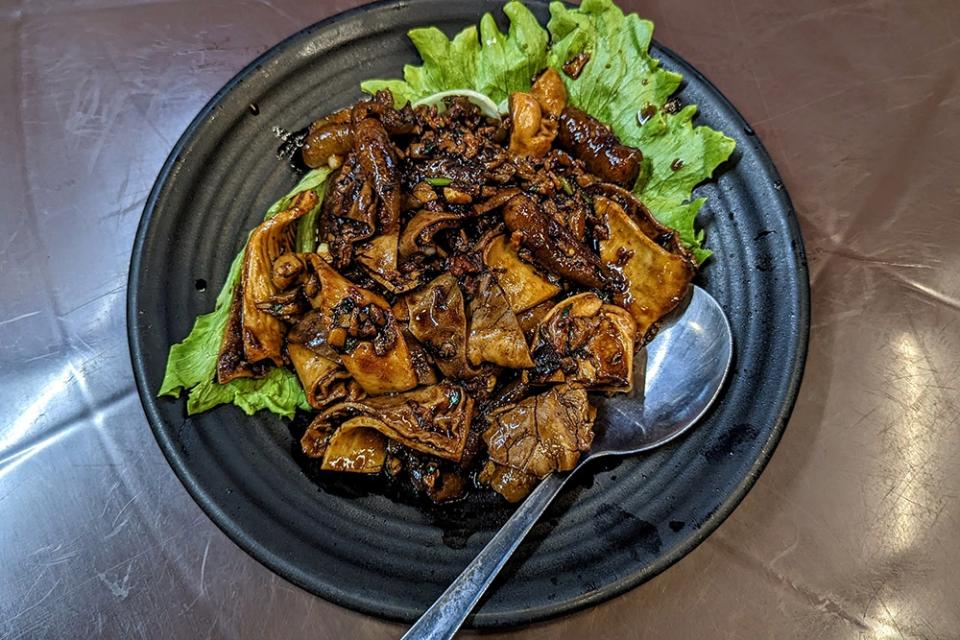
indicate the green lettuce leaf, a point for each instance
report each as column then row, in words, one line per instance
column 192, row 363
column 681, row 157
column 508, row 63
column 485, row 60
column 279, row 391
column 306, row 241
column 195, row 359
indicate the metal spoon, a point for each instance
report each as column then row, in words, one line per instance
column 687, row 363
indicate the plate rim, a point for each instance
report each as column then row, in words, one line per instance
column 492, row 620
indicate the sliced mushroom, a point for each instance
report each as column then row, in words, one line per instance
column 287, row 306
column 454, row 195
column 438, row 320
column 418, row 235
column 262, row 333
column 657, row 280
column 555, row 248
column 585, row 342
column 523, row 285
column 495, row 334
column 311, row 332
column 356, row 448
column 363, row 331
column 543, row 433
column 432, row 420
column 287, row 269
column 323, row 380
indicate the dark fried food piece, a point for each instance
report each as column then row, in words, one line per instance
column 574, row 66
column 495, row 334
column 657, row 279
column 555, row 248
column 438, row 320
column 543, row 433
column 326, row 142
column 663, row 236
column 587, row 343
column 593, row 142
column 433, row 420
column 379, row 163
column 254, row 336
column 363, row 332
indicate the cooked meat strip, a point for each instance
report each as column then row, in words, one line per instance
column 379, row 162
column 593, row 142
column 325, row 142
column 261, row 332
column 588, row 343
column 663, row 236
column 555, row 248
column 395, row 121
column 230, row 361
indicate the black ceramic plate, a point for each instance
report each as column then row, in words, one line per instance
column 342, row 538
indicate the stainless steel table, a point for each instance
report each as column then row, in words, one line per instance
column 850, row 533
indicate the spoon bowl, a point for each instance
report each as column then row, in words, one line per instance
column 686, row 366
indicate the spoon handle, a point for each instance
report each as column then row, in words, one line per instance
column 441, row 621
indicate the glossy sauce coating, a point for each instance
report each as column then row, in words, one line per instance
column 592, row 141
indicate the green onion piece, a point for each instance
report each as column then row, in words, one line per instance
column 567, row 189
column 439, row 181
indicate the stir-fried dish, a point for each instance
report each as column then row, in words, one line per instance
column 475, row 279
column 471, row 260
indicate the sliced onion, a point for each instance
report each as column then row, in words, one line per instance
column 487, row 106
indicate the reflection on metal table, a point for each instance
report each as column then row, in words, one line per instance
column 851, row 530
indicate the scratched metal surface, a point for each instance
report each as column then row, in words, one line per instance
column 850, row 533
